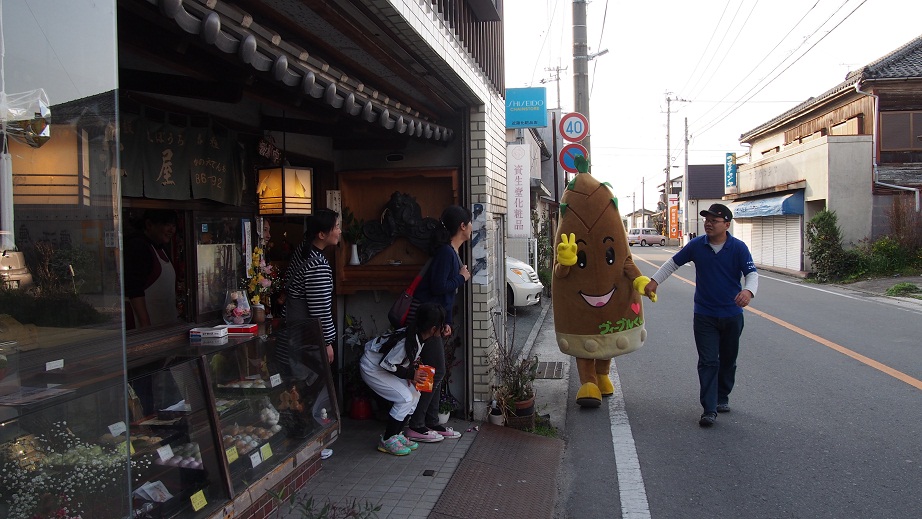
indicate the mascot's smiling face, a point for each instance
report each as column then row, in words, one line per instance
column 595, row 294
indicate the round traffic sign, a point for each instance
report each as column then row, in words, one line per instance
column 574, row 126
column 568, row 155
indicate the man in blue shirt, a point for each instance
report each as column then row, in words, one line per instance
column 720, row 261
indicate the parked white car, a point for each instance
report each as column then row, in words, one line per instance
column 523, row 288
column 13, row 270
column 645, row 236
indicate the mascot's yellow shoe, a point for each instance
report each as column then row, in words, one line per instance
column 589, row 395
column 605, row 385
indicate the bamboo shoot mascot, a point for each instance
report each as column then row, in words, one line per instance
column 596, row 287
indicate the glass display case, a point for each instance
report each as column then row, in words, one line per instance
column 175, row 466
column 271, row 394
column 68, row 451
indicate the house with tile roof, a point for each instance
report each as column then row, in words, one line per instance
column 852, row 149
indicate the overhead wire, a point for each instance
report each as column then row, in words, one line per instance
column 547, row 32
column 706, row 47
column 730, row 47
column 716, row 49
column 601, row 33
column 731, row 110
column 759, row 63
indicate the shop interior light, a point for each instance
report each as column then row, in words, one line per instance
column 285, row 190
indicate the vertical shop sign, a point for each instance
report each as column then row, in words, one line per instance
column 518, row 186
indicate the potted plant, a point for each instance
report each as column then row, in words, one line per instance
column 353, row 233
column 447, row 404
column 515, row 391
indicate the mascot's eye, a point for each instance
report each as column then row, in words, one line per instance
column 581, row 259
column 610, row 256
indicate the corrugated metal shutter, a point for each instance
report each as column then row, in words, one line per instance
column 757, row 245
column 793, row 241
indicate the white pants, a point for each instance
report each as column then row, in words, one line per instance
column 400, row 391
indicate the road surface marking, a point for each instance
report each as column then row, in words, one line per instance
column 899, row 375
column 630, row 480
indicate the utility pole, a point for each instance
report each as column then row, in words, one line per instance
column 685, row 186
column 667, row 188
column 643, row 207
column 556, row 78
column 581, row 64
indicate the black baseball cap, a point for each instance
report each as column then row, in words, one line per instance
column 718, row 210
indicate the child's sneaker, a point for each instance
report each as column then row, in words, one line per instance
column 393, row 446
column 429, row 436
column 408, row 443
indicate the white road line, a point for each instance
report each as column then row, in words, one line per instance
column 630, row 481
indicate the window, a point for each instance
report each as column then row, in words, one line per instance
column 901, row 131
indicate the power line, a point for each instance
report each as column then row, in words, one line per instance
column 759, row 64
column 716, row 49
column 601, row 33
column 730, row 47
column 547, row 32
column 727, row 113
column 706, row 47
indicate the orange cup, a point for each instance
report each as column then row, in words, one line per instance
column 430, row 379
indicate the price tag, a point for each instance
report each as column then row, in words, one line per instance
column 266, row 451
column 117, row 428
column 255, row 460
column 54, row 364
column 165, row 452
column 231, row 455
column 198, row 500
column 275, row 380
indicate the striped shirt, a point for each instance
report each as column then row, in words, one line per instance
column 310, row 277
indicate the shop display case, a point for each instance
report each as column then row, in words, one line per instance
column 271, row 394
column 172, row 438
column 70, row 453
column 197, row 424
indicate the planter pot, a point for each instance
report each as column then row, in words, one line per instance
column 360, row 409
column 443, row 418
column 495, row 419
column 525, row 407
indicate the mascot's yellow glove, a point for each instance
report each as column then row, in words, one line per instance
column 640, row 283
column 566, row 250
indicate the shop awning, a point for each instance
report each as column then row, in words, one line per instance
column 791, row 203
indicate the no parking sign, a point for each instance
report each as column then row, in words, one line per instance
column 568, row 155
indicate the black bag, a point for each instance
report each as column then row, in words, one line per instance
column 405, row 306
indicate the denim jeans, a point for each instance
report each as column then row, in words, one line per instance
column 718, row 342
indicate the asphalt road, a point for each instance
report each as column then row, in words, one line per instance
column 826, row 416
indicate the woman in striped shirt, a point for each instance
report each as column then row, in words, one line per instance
column 309, row 279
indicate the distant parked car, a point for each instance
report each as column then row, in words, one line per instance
column 645, row 236
column 523, row 288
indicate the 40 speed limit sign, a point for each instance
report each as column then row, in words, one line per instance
column 574, row 126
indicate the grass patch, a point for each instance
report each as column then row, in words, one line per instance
column 903, row 290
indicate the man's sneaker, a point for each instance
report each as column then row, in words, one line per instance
column 408, row 443
column 707, row 419
column 393, row 446
column 723, row 408
column 429, row 436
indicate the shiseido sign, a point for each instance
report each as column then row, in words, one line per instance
column 526, row 107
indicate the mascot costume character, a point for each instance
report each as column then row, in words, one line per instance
column 596, row 287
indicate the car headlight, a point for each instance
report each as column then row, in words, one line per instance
column 521, row 274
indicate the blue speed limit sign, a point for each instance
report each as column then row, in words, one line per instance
column 574, row 126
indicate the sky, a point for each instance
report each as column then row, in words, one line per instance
column 728, row 65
